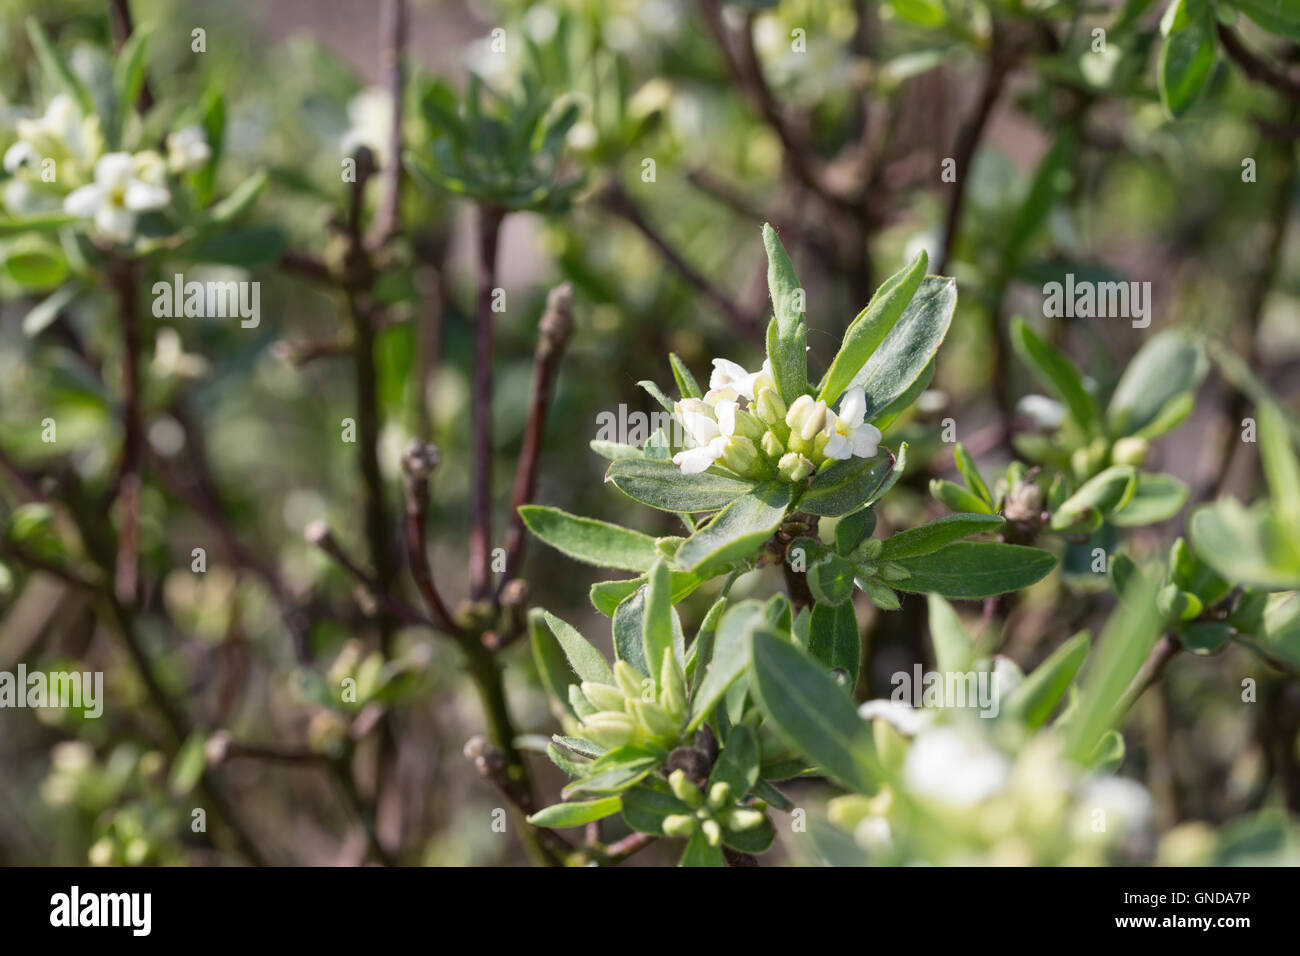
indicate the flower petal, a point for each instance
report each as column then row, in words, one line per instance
column 141, row 197
column 853, row 407
column 838, row 447
column 726, row 412
column 726, row 372
column 866, row 441
column 114, row 170
column 83, row 201
column 695, row 460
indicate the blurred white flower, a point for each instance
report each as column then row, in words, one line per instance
column 956, row 767
column 188, row 149
column 1044, row 412
column 370, row 118
column 903, row 717
column 116, row 196
column 61, row 131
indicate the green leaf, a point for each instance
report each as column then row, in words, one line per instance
column 891, row 412
column 1039, row 694
column 1051, row 180
column 730, row 655
column 811, row 711
column 698, row 852
column 910, row 345
column 831, row 580
column 587, row 662
column 933, row 536
column 1171, row 415
column 1276, row 16
column 629, row 633
column 1169, row 364
column 1206, row 637
column 869, row 329
column 661, row 484
column 738, row 765
column 248, row 247
column 189, row 763
column 1105, row 492
column 737, row 531
column 845, row 486
column 1246, row 545
column 552, row 665
column 646, row 805
column 1278, row 637
column 576, row 814
column 1281, row 468
column 953, row 649
column 614, row 451
column 657, row 622
column 970, row 473
column 833, row 638
column 606, row 596
column 1156, row 497
column 1124, row 645
column 55, row 68
column 1186, row 55
column 48, row 309
column 1057, row 373
column 240, row 200
column 658, row 395
column 36, row 264
column 957, row 498
column 853, row 529
column 615, row 776
column 591, row 541
column 686, row 383
column 788, row 331
column 975, row 569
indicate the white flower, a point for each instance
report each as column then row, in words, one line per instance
column 370, row 115
column 116, row 196
column 730, row 381
column 850, row 435
column 1044, row 412
column 188, row 149
column 958, row 768
column 19, row 155
column 711, row 434
column 60, row 131
column 903, row 717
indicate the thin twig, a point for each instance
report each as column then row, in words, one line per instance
column 418, row 464
column 127, row 483
column 552, row 337
column 388, row 218
column 1261, row 71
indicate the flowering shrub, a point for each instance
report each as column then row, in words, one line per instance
column 970, row 565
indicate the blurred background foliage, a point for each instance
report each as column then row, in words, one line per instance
column 675, row 129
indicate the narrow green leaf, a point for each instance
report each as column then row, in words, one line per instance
column 1039, row 694
column 970, row 473
column 590, row 541
column 686, row 383
column 730, row 655
column 953, row 649
column 1100, row 495
column 661, row 484
column 833, row 638
column 1186, row 55
column 1057, row 373
column 587, row 662
column 1169, row 364
column 975, row 569
column 737, row 531
column 788, row 332
column 848, row 485
column 698, row 852
column 1156, row 498
column 957, row 498
column 934, row 535
column 576, row 814
column 657, row 623
column 810, row 710
column 869, row 329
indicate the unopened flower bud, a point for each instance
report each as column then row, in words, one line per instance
column 772, row 446
column 712, row 832
column 608, row 728
column 629, row 679
column 719, row 794
column 672, row 686
column 679, row 825
column 741, row 456
column 794, row 467
column 603, row 696
column 1129, row 451
column 814, row 421
column 868, row 550
column 742, row 818
column 654, row 720
column 684, row 790
column 769, row 407
column 749, row 426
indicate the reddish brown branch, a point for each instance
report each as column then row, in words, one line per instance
column 480, row 534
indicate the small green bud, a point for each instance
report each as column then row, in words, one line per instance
column 797, row 443
column 603, row 696
column 794, row 467
column 772, row 446
column 889, row 571
column 719, row 794
column 679, row 825
column 630, row 681
column 1129, row 451
column 672, row 686
column 712, row 832
column 684, row 790
column 609, row 729
column 742, row 818
column 749, row 426
column 769, row 407
column 820, row 441
column 741, row 455
column 868, row 550
column 654, row 720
